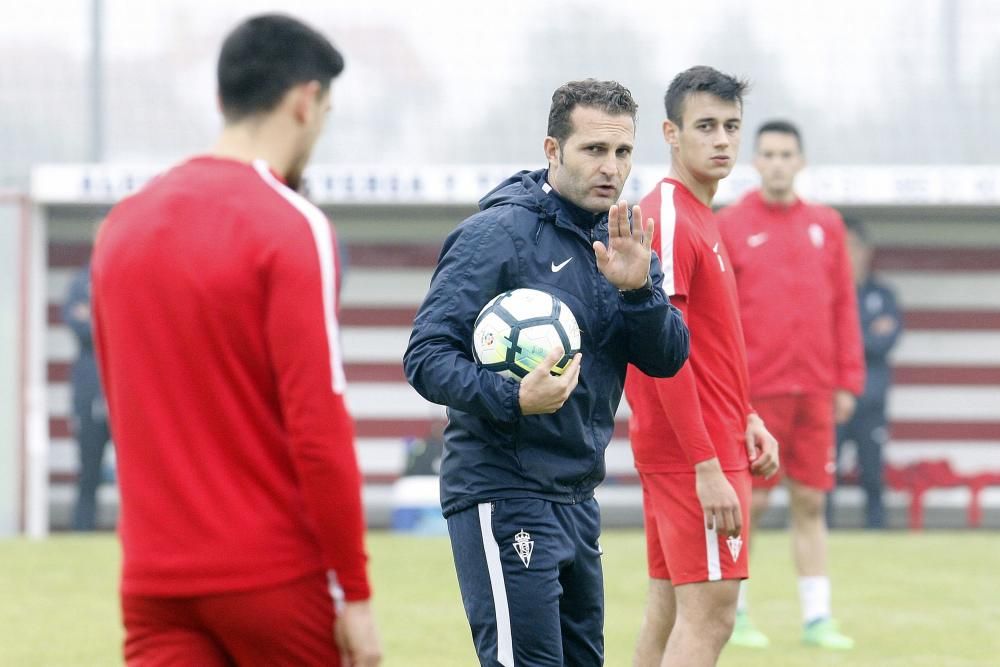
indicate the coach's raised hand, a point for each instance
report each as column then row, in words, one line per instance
column 542, row 393
column 625, row 260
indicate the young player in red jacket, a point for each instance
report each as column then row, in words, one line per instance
column 695, row 437
column 804, row 350
column 215, row 310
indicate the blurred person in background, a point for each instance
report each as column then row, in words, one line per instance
column 90, row 412
column 803, row 340
column 695, row 438
column 215, row 293
column 881, row 324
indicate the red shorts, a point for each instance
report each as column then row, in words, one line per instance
column 287, row 624
column 803, row 426
column 678, row 546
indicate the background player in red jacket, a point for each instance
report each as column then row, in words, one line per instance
column 694, row 437
column 215, row 309
column 804, row 351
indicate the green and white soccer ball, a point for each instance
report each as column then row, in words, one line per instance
column 517, row 329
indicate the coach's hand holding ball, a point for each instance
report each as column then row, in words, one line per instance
column 542, row 393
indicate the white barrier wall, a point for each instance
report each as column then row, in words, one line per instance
column 944, row 260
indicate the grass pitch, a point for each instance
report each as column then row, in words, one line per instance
column 913, row 600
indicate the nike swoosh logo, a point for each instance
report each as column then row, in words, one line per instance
column 757, row 239
column 556, row 268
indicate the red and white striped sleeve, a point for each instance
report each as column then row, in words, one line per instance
column 304, row 342
column 677, row 261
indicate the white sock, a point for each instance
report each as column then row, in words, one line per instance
column 814, row 593
column 741, row 601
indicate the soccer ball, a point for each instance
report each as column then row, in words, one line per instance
column 516, row 330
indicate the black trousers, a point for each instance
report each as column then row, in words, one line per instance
column 868, row 430
column 92, row 436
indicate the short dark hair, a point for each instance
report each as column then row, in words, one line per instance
column 857, row 227
column 610, row 97
column 701, row 79
column 266, row 56
column 782, row 127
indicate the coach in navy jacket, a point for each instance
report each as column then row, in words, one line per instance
column 521, row 235
column 534, row 475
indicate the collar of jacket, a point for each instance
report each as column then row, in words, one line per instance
column 530, row 189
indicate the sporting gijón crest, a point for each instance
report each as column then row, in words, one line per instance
column 735, row 544
column 524, row 545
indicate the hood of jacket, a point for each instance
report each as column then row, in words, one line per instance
column 531, row 190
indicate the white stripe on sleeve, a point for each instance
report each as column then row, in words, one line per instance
column 668, row 224
column 323, row 238
column 505, row 643
column 336, row 592
column 712, row 551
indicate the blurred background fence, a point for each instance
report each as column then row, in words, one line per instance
column 898, row 102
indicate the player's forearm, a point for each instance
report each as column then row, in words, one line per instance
column 851, row 375
column 708, row 467
column 678, row 397
column 850, row 356
column 849, row 340
column 330, row 480
column 698, row 449
column 342, row 542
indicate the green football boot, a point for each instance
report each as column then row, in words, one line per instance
column 824, row 633
column 746, row 635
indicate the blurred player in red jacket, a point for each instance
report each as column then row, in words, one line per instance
column 804, row 350
column 215, row 309
column 694, row 436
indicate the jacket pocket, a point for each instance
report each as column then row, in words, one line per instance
column 507, row 437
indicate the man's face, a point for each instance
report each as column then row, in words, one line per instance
column 317, row 108
column 779, row 160
column 709, row 139
column 589, row 168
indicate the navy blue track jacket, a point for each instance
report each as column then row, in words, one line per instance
column 525, row 235
column 875, row 301
column 84, row 376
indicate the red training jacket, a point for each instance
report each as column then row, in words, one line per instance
column 215, row 319
column 700, row 413
column 797, row 296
